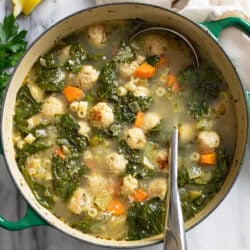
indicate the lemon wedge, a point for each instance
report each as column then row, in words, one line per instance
column 25, row 6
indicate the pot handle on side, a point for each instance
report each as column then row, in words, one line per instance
column 30, row 219
column 216, row 27
column 248, row 99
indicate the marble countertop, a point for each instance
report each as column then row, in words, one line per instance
column 227, row 228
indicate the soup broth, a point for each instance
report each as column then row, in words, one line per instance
column 93, row 121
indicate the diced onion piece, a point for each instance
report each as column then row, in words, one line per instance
column 194, row 171
column 147, row 163
column 30, row 138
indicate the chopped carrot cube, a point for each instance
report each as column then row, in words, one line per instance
column 145, row 70
column 60, row 153
column 208, row 159
column 139, row 195
column 173, row 83
column 139, row 119
column 116, row 207
column 73, row 93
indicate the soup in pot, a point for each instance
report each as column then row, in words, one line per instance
column 93, row 121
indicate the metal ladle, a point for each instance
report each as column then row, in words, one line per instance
column 173, row 32
column 174, row 233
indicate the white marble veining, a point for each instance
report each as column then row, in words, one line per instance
column 227, row 228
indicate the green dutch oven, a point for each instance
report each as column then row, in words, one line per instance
column 204, row 35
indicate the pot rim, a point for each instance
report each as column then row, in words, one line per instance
column 209, row 35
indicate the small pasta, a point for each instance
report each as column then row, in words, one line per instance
column 130, row 86
column 121, row 91
column 195, row 156
column 82, row 109
column 74, row 106
column 160, row 91
column 92, row 212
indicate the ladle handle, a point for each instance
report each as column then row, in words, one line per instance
column 174, row 233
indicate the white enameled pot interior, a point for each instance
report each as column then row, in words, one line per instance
column 123, row 11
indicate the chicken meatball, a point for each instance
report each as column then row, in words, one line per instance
column 186, row 133
column 87, row 77
column 96, row 35
column 126, row 70
column 150, row 121
column 96, row 183
column 115, row 163
column 101, row 115
column 53, row 105
column 79, row 202
column 208, row 141
column 162, row 159
column 157, row 188
column 129, row 185
column 155, row 45
column 135, row 138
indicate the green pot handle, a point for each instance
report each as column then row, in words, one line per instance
column 216, row 27
column 30, row 219
column 248, row 99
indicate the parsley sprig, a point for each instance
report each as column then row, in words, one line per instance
column 12, row 47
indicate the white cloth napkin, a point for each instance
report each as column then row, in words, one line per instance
column 234, row 42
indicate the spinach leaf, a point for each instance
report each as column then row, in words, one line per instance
column 204, row 85
column 155, row 131
column 153, row 60
column 126, row 107
column 67, row 128
column 146, row 219
column 26, row 106
column 78, row 55
column 138, row 170
column 132, row 155
column 51, row 79
column 28, row 150
column 86, row 225
column 49, row 61
column 125, row 54
column 198, row 109
column 188, row 75
column 190, row 207
column 35, row 147
column 108, row 84
column 67, row 174
column 134, row 166
column 220, row 172
column 209, row 84
column 42, row 193
column 100, row 134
